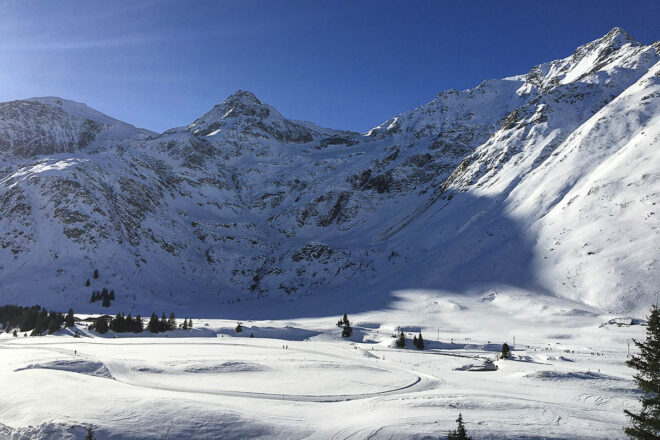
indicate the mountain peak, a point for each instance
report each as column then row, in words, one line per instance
column 243, row 115
column 242, row 102
column 589, row 58
column 613, row 40
column 242, row 105
column 75, row 108
column 241, row 95
column 618, row 37
column 48, row 125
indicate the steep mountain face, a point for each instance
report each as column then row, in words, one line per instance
column 546, row 181
column 242, row 117
column 42, row 126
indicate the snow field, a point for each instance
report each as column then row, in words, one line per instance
column 567, row 378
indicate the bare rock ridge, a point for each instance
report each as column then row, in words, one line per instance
column 545, row 181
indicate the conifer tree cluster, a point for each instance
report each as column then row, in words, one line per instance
column 646, row 423
column 47, row 321
column 187, row 324
column 346, row 324
column 401, row 340
column 126, row 324
column 459, row 433
column 34, row 318
column 104, row 295
column 12, row 316
column 418, row 341
column 163, row 324
column 100, row 325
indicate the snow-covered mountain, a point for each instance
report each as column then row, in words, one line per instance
column 43, row 126
column 546, row 181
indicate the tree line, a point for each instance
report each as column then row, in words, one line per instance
column 166, row 324
column 121, row 323
column 35, row 318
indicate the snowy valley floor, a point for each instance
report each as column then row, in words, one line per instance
column 567, row 379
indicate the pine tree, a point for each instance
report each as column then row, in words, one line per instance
column 101, row 325
column 93, row 298
column 420, row 341
column 185, row 324
column 69, row 321
column 90, row 434
column 171, row 323
column 401, row 342
column 347, row 332
column 153, row 325
column 646, row 423
column 53, row 325
column 96, row 274
column 116, row 323
column 239, row 328
column 41, row 324
column 28, row 319
column 111, row 295
column 346, row 321
column 506, row 351
column 190, row 323
column 106, row 301
column 460, row 433
column 137, row 324
column 162, row 325
column 87, row 283
column 415, row 341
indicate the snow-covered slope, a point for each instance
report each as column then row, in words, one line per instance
column 243, row 117
column 41, row 126
column 546, row 181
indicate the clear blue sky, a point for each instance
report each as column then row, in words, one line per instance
column 342, row 64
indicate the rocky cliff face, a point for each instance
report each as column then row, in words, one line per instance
column 546, row 181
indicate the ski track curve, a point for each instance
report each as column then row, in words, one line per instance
column 122, row 374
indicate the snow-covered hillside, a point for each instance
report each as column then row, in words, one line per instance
column 299, row 379
column 545, row 182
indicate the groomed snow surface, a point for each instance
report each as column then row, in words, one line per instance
column 300, row 379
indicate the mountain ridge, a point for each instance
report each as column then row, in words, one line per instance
column 467, row 193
